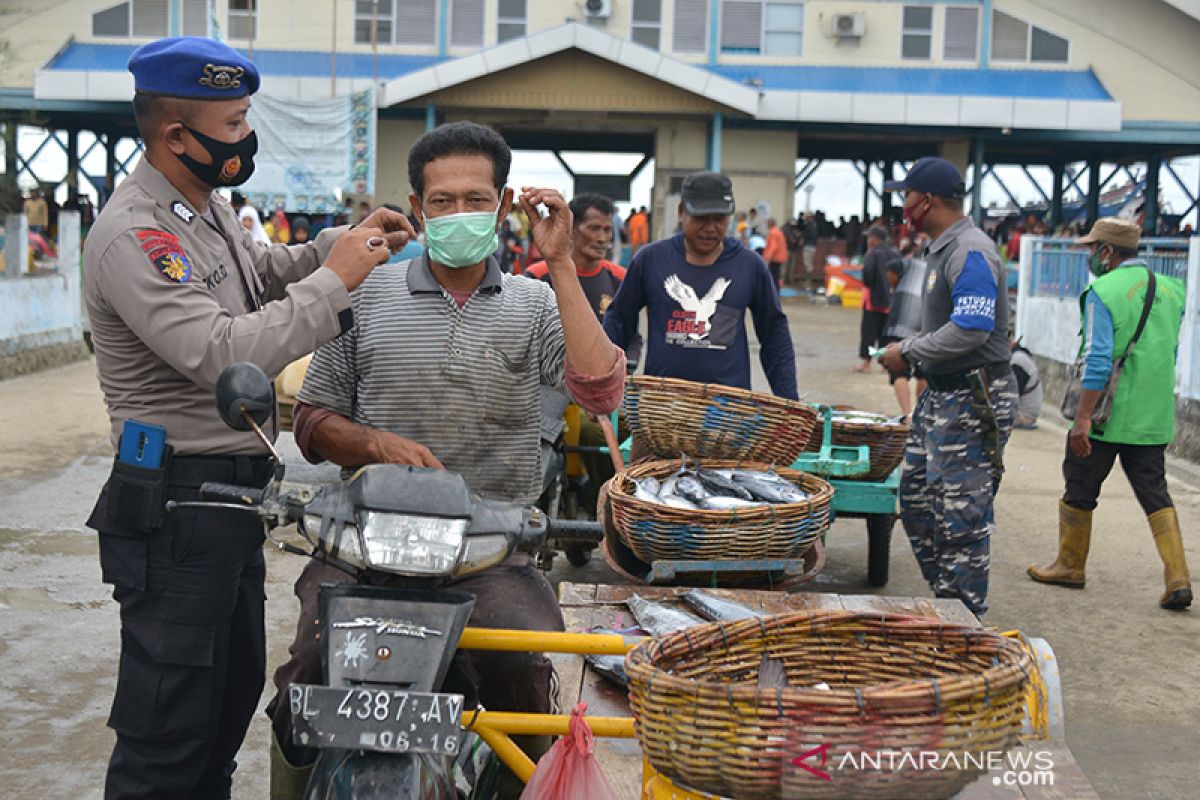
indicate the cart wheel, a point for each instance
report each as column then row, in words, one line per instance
column 879, row 544
column 578, row 554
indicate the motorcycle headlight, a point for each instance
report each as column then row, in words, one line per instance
column 412, row 545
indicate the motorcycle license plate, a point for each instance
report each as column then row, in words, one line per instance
column 381, row 719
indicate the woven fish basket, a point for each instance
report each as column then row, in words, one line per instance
column 887, row 443
column 706, row 420
column 654, row 531
column 897, row 684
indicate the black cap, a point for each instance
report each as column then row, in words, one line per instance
column 707, row 193
column 932, row 175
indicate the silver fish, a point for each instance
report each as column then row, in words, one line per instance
column 690, row 488
column 712, row 607
column 769, row 487
column 668, row 495
column 675, row 501
column 610, row 667
column 721, row 485
column 647, row 489
column 716, row 503
column 657, row 619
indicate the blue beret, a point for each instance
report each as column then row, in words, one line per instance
column 193, row 68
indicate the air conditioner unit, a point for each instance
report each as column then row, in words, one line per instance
column 849, row 26
column 597, row 9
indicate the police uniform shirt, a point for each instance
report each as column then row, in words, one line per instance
column 174, row 296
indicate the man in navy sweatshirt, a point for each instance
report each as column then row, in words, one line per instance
column 696, row 287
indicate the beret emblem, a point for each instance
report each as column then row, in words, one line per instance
column 219, row 77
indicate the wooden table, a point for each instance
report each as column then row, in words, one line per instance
column 587, row 605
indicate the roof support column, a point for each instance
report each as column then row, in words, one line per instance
column 1150, row 209
column 10, row 153
column 977, row 184
column 1093, row 195
column 430, row 116
column 1056, row 196
column 886, row 198
column 866, row 215
column 715, row 131
column 73, row 160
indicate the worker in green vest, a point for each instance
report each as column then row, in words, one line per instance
column 1142, row 423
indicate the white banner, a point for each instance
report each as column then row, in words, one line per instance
column 309, row 151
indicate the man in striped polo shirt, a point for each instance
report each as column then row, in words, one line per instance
column 443, row 367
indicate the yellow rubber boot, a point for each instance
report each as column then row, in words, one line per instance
column 1164, row 523
column 287, row 782
column 1074, row 540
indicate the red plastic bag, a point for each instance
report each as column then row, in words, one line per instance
column 569, row 770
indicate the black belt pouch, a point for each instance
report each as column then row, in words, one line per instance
column 137, row 496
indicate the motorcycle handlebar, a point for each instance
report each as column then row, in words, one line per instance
column 575, row 530
column 229, row 493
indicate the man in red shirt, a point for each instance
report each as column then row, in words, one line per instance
column 776, row 251
column 591, row 237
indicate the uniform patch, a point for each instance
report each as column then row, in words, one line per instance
column 165, row 254
column 182, row 211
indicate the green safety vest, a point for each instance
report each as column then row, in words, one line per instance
column 1143, row 409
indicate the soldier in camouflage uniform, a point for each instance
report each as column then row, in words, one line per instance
column 954, row 458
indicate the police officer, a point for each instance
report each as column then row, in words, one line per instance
column 953, row 460
column 176, row 290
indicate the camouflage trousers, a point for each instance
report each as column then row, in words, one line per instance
column 948, row 485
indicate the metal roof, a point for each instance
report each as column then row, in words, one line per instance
column 1055, row 84
column 1046, row 84
column 83, row 57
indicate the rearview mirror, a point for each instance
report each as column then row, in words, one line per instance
column 244, row 386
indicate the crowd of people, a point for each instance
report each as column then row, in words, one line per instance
column 176, row 290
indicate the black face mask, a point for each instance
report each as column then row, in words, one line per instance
column 232, row 164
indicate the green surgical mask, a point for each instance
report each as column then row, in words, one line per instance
column 1096, row 264
column 461, row 240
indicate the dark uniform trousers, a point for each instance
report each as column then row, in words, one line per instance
column 1144, row 465
column 193, row 652
column 514, row 594
column 948, row 486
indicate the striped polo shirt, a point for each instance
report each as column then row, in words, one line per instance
column 464, row 382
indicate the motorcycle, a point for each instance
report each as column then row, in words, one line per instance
column 381, row 724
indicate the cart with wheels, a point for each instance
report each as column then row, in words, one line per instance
column 876, row 503
column 850, row 469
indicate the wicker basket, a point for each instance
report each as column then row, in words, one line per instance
column 897, row 683
column 706, row 420
column 653, row 531
column 887, row 443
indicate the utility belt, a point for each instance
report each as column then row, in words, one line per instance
column 136, row 497
column 192, row 471
column 962, row 380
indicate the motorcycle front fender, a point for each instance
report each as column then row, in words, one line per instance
column 355, row 775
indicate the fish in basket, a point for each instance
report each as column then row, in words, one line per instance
column 668, row 416
column 718, row 510
column 885, row 437
column 825, row 704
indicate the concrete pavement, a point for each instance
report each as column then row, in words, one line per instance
column 1129, row 669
